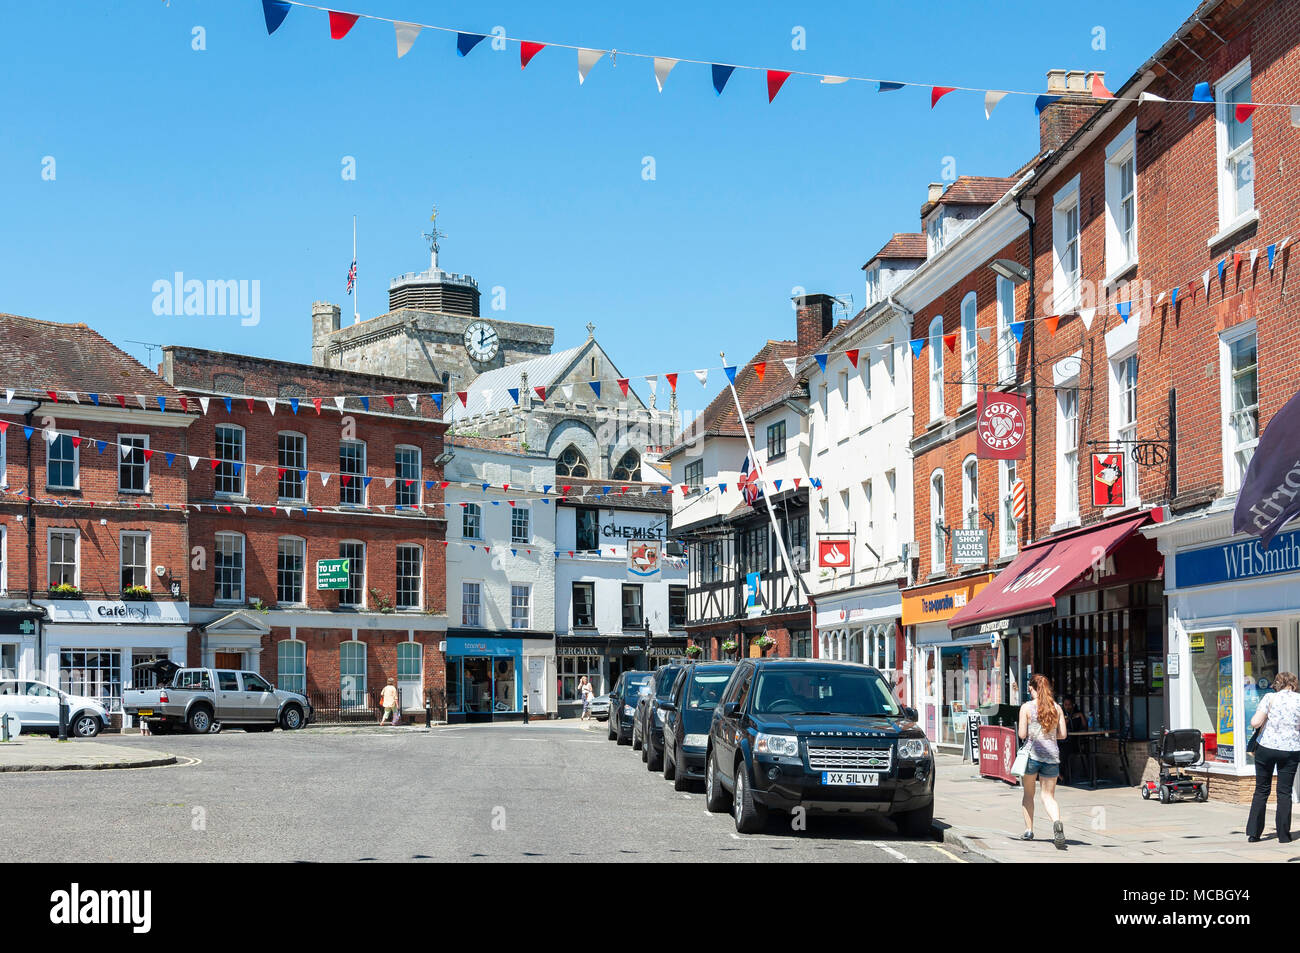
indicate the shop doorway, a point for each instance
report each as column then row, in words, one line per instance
column 233, row 660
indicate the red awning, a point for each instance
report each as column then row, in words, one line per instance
column 1034, row 577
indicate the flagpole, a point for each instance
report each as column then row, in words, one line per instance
column 356, row 308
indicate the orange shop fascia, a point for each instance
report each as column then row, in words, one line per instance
column 939, row 602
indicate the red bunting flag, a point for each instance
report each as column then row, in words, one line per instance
column 76, row 441
column 185, row 405
column 775, row 80
column 1236, row 260
column 567, row 489
column 1052, row 321
column 672, row 381
column 527, row 51
column 938, row 92
column 950, row 341
column 340, row 23
column 148, row 455
column 463, row 397
column 760, row 368
column 345, row 478
column 215, row 463
column 622, row 385
column 316, row 402
column 1244, row 110
column 541, row 393
column 852, row 356
column 53, row 396
column 1099, row 90
column 249, row 402
column 4, row 425
column 389, row 398
column 121, row 399
column 279, row 472
column 443, row 485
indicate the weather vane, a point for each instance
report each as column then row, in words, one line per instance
column 434, row 236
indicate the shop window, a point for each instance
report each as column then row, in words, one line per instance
column 406, row 470
column 94, row 673
column 1213, row 692
column 503, row 686
column 584, row 605
column 352, row 674
column 588, row 528
column 572, row 668
column 1259, row 666
column 290, row 565
column 291, row 666
column 1009, row 537
column 291, row 466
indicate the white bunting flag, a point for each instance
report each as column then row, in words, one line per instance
column 338, row 402
column 1086, row 315
column 567, row 389
column 257, row 469
column 985, row 333
column 287, row 511
column 194, row 462
column 703, row 377
column 49, row 433
column 203, row 403
column 586, row 60
column 140, row 398
column 790, row 363
column 652, row 381
column 991, row 100
column 9, row 395
column 834, row 80
column 242, row 507
column 1283, row 244
column 1160, row 299
column 388, row 481
column 663, row 66
column 270, row 405
column 124, row 449
column 324, row 478
column 1151, row 98
column 72, row 396
column 1205, row 280
column 406, row 34
column 413, row 400
column 1254, row 253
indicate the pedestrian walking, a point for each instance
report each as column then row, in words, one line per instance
column 1042, row 726
column 587, row 693
column 1277, row 746
column 388, row 698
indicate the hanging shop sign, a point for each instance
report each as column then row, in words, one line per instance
column 970, row 547
column 834, row 553
column 1000, row 426
column 1107, row 479
column 643, row 559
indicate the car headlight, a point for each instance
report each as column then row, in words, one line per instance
column 695, row 741
column 913, row 748
column 786, row 746
column 659, row 716
column 629, row 710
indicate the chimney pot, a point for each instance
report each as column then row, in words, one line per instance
column 1076, row 81
column 935, row 192
column 1056, row 81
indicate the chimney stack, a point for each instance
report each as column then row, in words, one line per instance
column 815, row 318
column 934, row 193
column 1061, row 119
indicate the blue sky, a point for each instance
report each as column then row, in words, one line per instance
column 226, row 163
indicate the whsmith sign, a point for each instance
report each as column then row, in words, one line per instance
column 1234, row 562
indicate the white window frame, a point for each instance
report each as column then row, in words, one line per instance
column 364, row 700
column 122, row 461
column 1230, row 217
column 419, row 579
column 242, row 461
column 938, row 540
column 1066, row 288
column 1121, row 255
column 300, row 652
column 243, row 568
column 76, row 461
column 464, row 516
column 303, row 543
column 4, row 459
column 76, row 554
column 478, row 621
column 148, row 554
column 936, row 368
column 1006, row 510
column 362, row 590
column 970, row 493
column 399, row 481
column 527, row 513
column 873, row 285
column 891, row 507
column 969, row 352
column 4, row 557
column 1121, row 430
column 304, row 481
column 515, row 588
column 359, row 478
column 1067, row 479
column 1231, row 476
column 1007, row 350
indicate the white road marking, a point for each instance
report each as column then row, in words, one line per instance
column 734, row 835
column 897, row 855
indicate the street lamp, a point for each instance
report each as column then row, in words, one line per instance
column 1013, row 271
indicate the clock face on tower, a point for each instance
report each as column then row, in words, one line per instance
column 481, row 341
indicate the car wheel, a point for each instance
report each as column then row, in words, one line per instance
column 636, row 740
column 610, row 726
column 85, row 726
column 199, row 721
column 670, row 769
column 291, row 718
column 715, row 797
column 653, row 761
column 750, row 816
column 916, row 823
column 679, row 777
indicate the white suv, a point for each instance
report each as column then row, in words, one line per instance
column 36, row 705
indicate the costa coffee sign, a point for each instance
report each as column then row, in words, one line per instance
column 1000, row 426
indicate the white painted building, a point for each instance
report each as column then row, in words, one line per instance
column 500, row 581
column 614, row 609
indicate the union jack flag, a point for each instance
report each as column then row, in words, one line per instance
column 352, row 275
column 748, row 483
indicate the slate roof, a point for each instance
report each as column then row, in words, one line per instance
column 489, row 392
column 45, row 355
column 633, row 499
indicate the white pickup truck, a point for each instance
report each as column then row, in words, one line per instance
column 198, row 698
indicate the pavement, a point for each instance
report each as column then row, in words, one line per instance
column 1111, row 824
column 38, row 753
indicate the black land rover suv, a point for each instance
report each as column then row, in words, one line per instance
column 829, row 737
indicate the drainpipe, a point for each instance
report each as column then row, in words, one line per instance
column 1033, row 380
column 31, row 547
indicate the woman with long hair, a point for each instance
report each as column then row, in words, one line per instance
column 1278, row 721
column 1042, row 726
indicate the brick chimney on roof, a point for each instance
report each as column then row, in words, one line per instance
column 1060, row 120
column 815, row 318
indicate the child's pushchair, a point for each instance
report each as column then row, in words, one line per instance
column 1176, row 750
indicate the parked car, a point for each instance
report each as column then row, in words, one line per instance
column 686, row 719
column 198, row 698
column 648, row 728
column 600, row 707
column 829, row 737
column 622, row 704
column 36, row 705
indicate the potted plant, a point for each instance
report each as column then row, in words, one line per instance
column 694, row 651
column 765, row 641
column 136, row 593
column 729, row 646
column 65, row 590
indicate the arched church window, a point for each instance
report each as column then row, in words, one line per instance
column 572, row 463
column 629, row 468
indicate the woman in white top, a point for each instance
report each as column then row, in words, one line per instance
column 1278, row 717
column 586, row 693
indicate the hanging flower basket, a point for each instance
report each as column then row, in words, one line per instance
column 765, row 642
column 694, row 651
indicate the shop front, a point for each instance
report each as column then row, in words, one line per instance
column 603, row 659
column 18, row 640
column 1085, row 609
column 1233, row 623
column 489, row 675
column 950, row 677
column 864, row 624
column 91, row 646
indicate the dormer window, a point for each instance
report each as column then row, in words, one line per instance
column 873, row 285
column 934, row 234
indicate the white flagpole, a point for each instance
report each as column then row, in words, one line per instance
column 356, row 308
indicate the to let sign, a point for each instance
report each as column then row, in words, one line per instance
column 331, row 574
column 970, row 547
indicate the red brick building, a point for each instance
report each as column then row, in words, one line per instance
column 94, row 537
column 274, row 493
